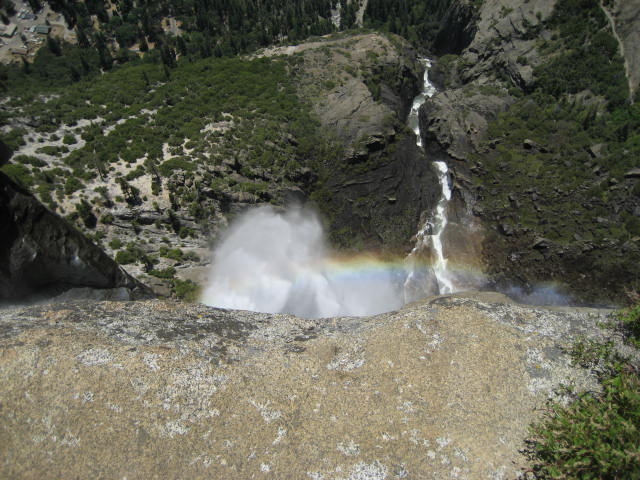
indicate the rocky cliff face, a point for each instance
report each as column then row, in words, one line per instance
column 41, row 255
column 441, row 389
column 375, row 192
column 626, row 25
column 522, row 198
column 472, row 94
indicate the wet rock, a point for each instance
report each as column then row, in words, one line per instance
column 457, row 28
column 455, row 121
column 358, row 201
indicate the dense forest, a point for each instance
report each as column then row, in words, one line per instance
column 417, row 21
column 111, row 34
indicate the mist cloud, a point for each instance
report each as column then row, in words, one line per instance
column 278, row 262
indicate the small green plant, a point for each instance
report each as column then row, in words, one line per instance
column 69, row 139
column 163, row 272
column 72, row 185
column 173, row 253
column 125, row 257
column 85, row 212
column 18, row 173
column 107, row 219
column 589, row 353
column 115, row 244
column 597, row 436
column 185, row 290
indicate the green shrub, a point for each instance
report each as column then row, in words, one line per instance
column 29, row 160
column 595, row 437
column 86, row 214
column 630, row 322
column 52, row 150
column 125, row 257
column 14, row 138
column 185, row 290
column 135, row 173
column 115, row 244
column 72, row 185
column 177, row 163
column 173, row 253
column 107, row 219
column 69, row 139
column 163, row 273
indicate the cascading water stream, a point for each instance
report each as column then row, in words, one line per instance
column 278, row 261
column 431, row 232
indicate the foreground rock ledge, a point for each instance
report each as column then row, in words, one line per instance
column 440, row 389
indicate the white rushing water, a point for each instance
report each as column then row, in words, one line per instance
column 431, row 232
column 277, row 262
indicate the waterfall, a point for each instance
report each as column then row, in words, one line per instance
column 419, row 282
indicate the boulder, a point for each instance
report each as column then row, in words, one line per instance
column 633, row 173
column 455, row 121
column 541, row 243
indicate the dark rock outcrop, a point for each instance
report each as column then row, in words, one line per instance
column 5, row 153
column 457, row 28
column 382, row 204
column 41, row 255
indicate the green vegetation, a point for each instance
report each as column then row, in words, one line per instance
column 18, row 173
column 205, row 29
column 14, row 138
column 416, row 20
column 555, row 162
column 175, row 132
column 173, row 253
column 134, row 254
column 126, row 257
column 590, row 59
column 115, row 244
column 163, row 273
column 72, row 185
column 185, row 290
column 596, row 436
column 69, row 139
column 85, row 213
column 629, row 322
